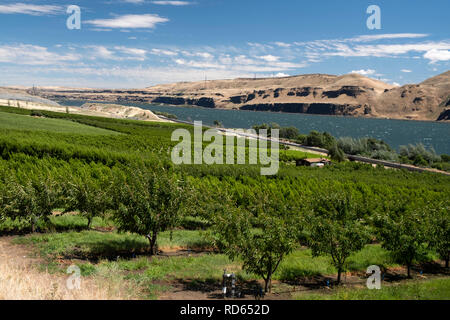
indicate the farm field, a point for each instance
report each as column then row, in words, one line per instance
column 117, row 208
column 14, row 121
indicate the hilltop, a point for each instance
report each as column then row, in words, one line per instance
column 349, row 95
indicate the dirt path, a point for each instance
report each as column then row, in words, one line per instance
column 20, row 279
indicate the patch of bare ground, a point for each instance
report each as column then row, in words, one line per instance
column 21, row 280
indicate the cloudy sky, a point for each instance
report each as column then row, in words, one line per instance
column 138, row 43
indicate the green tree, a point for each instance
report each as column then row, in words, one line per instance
column 336, row 153
column 289, row 133
column 335, row 227
column 439, row 230
column 88, row 191
column 403, row 231
column 261, row 242
column 33, row 199
column 314, row 139
column 148, row 202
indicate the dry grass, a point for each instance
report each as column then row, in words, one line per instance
column 19, row 280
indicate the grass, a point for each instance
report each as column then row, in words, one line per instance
column 301, row 263
column 20, row 281
column 23, row 122
column 434, row 289
column 299, row 154
column 123, row 257
column 96, row 245
column 115, row 258
column 56, row 224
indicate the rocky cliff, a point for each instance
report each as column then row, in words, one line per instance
column 348, row 95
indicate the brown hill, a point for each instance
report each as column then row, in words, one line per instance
column 350, row 95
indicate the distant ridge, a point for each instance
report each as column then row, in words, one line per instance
column 348, row 95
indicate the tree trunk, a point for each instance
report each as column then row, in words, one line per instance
column 339, row 275
column 446, row 261
column 152, row 240
column 33, row 224
column 409, row 270
column 268, row 284
column 89, row 222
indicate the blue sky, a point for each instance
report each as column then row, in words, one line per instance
column 138, row 43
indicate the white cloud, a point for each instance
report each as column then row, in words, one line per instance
column 132, row 53
column 117, row 53
column 33, row 55
column 435, row 55
column 282, row 44
column 117, row 77
column 160, row 52
column 204, row 55
column 101, row 52
column 363, row 72
column 367, row 38
column 435, row 51
column 172, row 3
column 406, row 70
column 30, row 9
column 129, row 21
column 269, row 58
column 242, row 63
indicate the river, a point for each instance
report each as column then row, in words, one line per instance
column 394, row 132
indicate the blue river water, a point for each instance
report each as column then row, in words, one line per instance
column 394, row 132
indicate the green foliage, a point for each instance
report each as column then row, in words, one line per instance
column 439, row 230
column 148, row 202
column 336, row 154
column 445, row 157
column 402, row 229
column 263, row 249
column 37, row 122
column 336, row 228
column 418, row 155
column 321, row 140
column 89, row 192
column 290, row 133
column 368, row 147
column 31, row 199
column 255, row 220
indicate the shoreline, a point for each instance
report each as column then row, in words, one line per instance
column 258, row 111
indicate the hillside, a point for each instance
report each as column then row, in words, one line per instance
column 349, row 95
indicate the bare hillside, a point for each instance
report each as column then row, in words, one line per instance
column 349, row 95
